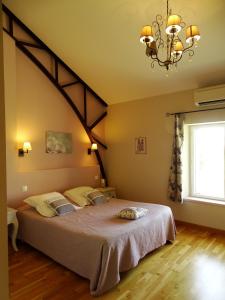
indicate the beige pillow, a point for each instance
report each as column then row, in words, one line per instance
column 40, row 204
column 77, row 195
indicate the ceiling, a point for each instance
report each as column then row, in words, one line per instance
column 99, row 40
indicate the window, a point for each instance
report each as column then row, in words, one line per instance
column 207, row 161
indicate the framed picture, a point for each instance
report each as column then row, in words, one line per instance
column 58, row 142
column 141, row 145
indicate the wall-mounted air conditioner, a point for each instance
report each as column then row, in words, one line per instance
column 214, row 95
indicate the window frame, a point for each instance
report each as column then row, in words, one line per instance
column 191, row 162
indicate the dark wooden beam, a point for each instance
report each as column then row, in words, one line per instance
column 6, row 31
column 69, row 84
column 85, row 105
column 52, row 79
column 10, row 25
column 32, row 45
column 39, row 41
column 101, row 166
column 98, row 120
column 56, row 71
column 99, row 142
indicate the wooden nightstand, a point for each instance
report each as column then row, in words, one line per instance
column 12, row 219
column 109, row 192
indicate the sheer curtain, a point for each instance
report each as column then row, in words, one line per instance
column 175, row 178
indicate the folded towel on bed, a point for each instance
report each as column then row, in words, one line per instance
column 133, row 213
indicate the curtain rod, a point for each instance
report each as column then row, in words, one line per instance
column 192, row 111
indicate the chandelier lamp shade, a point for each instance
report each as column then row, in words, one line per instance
column 164, row 39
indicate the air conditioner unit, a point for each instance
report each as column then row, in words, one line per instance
column 210, row 96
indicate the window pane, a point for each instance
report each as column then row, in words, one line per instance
column 208, row 155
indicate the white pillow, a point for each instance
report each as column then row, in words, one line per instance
column 40, row 204
column 77, row 195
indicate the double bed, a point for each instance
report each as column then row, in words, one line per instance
column 94, row 242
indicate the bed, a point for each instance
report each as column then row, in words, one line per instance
column 94, row 242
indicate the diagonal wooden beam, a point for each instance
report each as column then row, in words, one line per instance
column 69, row 84
column 85, row 105
column 99, row 142
column 98, row 120
column 97, row 154
column 44, row 46
column 56, row 71
column 53, row 80
column 10, row 25
column 31, row 45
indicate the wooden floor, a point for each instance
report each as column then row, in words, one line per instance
column 192, row 268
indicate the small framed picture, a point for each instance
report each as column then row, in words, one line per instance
column 141, row 145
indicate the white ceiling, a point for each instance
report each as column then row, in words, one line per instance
column 99, row 40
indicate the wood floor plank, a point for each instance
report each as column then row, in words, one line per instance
column 192, row 268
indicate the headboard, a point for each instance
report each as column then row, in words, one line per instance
column 43, row 181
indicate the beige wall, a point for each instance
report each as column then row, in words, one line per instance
column 3, row 223
column 145, row 177
column 33, row 106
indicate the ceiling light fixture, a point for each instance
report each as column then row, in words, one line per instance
column 166, row 46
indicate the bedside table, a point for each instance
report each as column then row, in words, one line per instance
column 109, row 192
column 12, row 219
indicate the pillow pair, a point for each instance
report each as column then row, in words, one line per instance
column 50, row 204
column 54, row 203
column 85, row 195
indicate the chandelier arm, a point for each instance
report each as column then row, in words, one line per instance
column 186, row 49
column 176, row 61
column 160, row 62
column 154, row 59
column 167, row 9
column 157, row 24
column 182, row 24
column 159, row 19
column 191, row 52
column 171, row 46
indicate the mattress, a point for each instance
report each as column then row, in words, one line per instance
column 94, row 242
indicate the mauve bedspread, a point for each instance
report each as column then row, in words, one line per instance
column 94, row 242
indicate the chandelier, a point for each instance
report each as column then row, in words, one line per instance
column 163, row 40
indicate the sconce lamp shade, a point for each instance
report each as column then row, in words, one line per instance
column 192, row 33
column 173, row 24
column 94, row 146
column 146, row 34
column 27, row 147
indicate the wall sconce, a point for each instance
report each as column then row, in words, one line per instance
column 26, row 148
column 94, row 147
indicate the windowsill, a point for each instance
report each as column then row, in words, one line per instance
column 204, row 201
